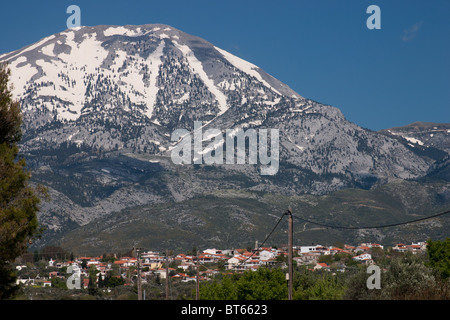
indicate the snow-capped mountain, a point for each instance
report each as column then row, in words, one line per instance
column 143, row 78
column 119, row 87
column 95, row 93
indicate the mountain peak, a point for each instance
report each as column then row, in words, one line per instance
column 71, row 60
column 110, row 88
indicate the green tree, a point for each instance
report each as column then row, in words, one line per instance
column 263, row 284
column 404, row 277
column 316, row 285
column 53, row 252
column 18, row 200
column 439, row 256
column 326, row 258
column 325, row 288
column 115, row 281
column 58, row 283
column 92, row 286
column 224, row 289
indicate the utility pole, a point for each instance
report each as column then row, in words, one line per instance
column 197, row 287
column 290, row 253
column 167, row 274
column 139, row 284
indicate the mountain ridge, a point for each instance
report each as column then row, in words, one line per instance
column 100, row 104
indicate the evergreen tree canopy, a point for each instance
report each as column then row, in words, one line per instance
column 18, row 200
column 439, row 256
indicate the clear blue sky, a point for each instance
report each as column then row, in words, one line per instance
column 320, row 48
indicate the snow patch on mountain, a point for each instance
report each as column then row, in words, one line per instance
column 197, row 67
column 31, row 47
column 246, row 67
column 87, row 55
column 123, row 31
column 20, row 79
column 156, row 60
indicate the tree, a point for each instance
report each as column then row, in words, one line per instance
column 407, row 277
column 317, row 285
column 58, row 283
column 53, row 252
column 263, row 284
column 328, row 259
column 439, row 256
column 404, row 277
column 18, row 200
column 115, row 281
column 92, row 286
column 225, row 289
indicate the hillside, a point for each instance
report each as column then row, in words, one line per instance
column 234, row 219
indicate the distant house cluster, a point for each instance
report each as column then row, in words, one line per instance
column 310, row 255
column 151, row 264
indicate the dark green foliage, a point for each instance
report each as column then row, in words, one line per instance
column 263, row 284
column 10, row 117
column 318, row 286
column 403, row 277
column 18, row 202
column 271, row 284
column 439, row 256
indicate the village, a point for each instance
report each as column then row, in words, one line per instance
column 203, row 266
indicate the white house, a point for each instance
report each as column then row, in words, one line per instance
column 93, row 263
column 186, row 266
column 317, row 248
column 266, row 255
column 236, row 263
column 307, row 249
column 365, row 257
column 212, row 251
column 162, row 273
column 27, row 282
column 319, row 266
column 400, row 247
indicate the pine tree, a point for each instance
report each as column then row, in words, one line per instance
column 18, row 200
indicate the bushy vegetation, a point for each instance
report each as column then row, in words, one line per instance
column 404, row 276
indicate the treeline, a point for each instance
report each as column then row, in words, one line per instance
column 47, row 253
column 57, row 253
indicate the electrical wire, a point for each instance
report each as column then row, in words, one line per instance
column 341, row 227
column 372, row 227
column 320, row 224
column 267, row 237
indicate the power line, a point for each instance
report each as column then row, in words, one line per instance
column 342, row 227
column 267, row 237
column 372, row 227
